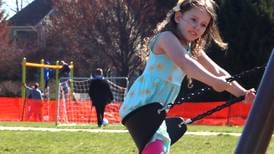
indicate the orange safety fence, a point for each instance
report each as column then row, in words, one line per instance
column 11, row 109
column 83, row 112
column 235, row 114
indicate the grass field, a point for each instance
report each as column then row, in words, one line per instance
column 44, row 142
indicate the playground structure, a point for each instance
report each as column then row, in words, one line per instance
column 42, row 65
column 259, row 126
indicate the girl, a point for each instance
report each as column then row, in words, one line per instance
column 175, row 51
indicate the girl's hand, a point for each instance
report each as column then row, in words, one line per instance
column 249, row 96
column 221, row 84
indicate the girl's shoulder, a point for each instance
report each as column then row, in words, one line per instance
column 167, row 35
column 168, row 38
column 164, row 34
column 160, row 39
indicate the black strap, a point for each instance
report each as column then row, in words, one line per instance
column 211, row 111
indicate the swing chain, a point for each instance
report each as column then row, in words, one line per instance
column 204, row 90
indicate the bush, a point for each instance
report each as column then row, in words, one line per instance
column 10, row 88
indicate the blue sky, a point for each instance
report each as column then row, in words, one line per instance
column 10, row 6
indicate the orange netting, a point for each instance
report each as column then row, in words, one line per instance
column 11, row 109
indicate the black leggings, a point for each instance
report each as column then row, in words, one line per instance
column 143, row 122
column 100, row 109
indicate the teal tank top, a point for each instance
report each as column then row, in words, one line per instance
column 160, row 82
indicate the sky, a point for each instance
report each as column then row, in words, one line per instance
column 10, row 6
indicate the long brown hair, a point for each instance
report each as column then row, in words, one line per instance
column 211, row 33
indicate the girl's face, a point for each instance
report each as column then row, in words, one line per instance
column 193, row 23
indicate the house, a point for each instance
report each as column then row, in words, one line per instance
column 27, row 26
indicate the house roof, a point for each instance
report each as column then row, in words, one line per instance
column 32, row 14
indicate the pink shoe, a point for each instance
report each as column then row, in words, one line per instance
column 155, row 147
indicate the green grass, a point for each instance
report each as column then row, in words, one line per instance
column 193, row 128
column 38, row 142
column 52, row 125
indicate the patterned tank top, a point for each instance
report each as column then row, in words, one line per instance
column 160, row 82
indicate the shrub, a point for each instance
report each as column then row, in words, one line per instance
column 10, row 88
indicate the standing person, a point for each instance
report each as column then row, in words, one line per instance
column 36, row 96
column 65, row 70
column 100, row 94
column 176, row 50
column 47, row 75
column 64, row 78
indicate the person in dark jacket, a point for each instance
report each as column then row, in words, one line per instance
column 64, row 71
column 64, row 79
column 100, row 94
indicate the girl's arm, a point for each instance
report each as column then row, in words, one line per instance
column 169, row 44
column 235, row 89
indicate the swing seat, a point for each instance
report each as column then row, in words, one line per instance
column 144, row 122
column 174, row 129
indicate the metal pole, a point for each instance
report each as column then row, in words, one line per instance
column 56, row 93
column 260, row 123
column 42, row 81
column 23, row 90
column 71, row 78
column 56, row 81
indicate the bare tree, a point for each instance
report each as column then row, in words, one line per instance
column 109, row 33
column 97, row 31
column 150, row 12
column 3, row 28
column 9, row 57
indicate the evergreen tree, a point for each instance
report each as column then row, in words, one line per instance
column 248, row 27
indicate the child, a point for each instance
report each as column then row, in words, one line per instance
column 175, row 51
column 35, row 102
